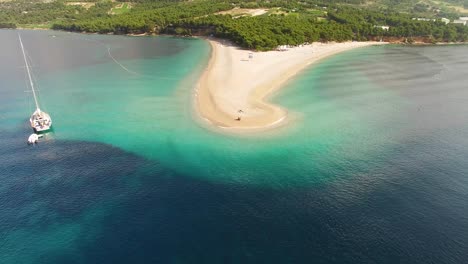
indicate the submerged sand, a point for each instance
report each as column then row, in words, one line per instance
column 237, row 82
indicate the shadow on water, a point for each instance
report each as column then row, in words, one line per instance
column 132, row 210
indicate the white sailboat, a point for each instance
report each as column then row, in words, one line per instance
column 40, row 120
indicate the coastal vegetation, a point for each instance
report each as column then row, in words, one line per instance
column 261, row 25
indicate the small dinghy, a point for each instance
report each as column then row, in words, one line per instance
column 33, row 138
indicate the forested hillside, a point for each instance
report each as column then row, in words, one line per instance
column 261, row 25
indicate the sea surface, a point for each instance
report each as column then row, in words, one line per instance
column 371, row 168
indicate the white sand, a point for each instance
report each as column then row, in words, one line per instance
column 234, row 82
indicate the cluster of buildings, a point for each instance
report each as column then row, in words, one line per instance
column 461, row 20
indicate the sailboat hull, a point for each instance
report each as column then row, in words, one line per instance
column 40, row 121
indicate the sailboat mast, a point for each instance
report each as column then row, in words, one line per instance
column 29, row 73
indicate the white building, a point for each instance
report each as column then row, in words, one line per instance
column 423, row 19
column 463, row 18
column 445, row 20
column 386, row 28
column 459, row 21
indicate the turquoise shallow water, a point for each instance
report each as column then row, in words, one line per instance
column 370, row 169
column 148, row 111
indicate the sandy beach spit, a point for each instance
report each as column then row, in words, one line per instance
column 232, row 91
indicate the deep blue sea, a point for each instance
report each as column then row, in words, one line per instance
column 371, row 168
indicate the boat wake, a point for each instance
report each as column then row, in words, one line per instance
column 108, row 48
column 118, row 63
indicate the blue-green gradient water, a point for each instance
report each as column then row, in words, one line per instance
column 371, row 168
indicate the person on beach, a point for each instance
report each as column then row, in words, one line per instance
column 240, row 111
